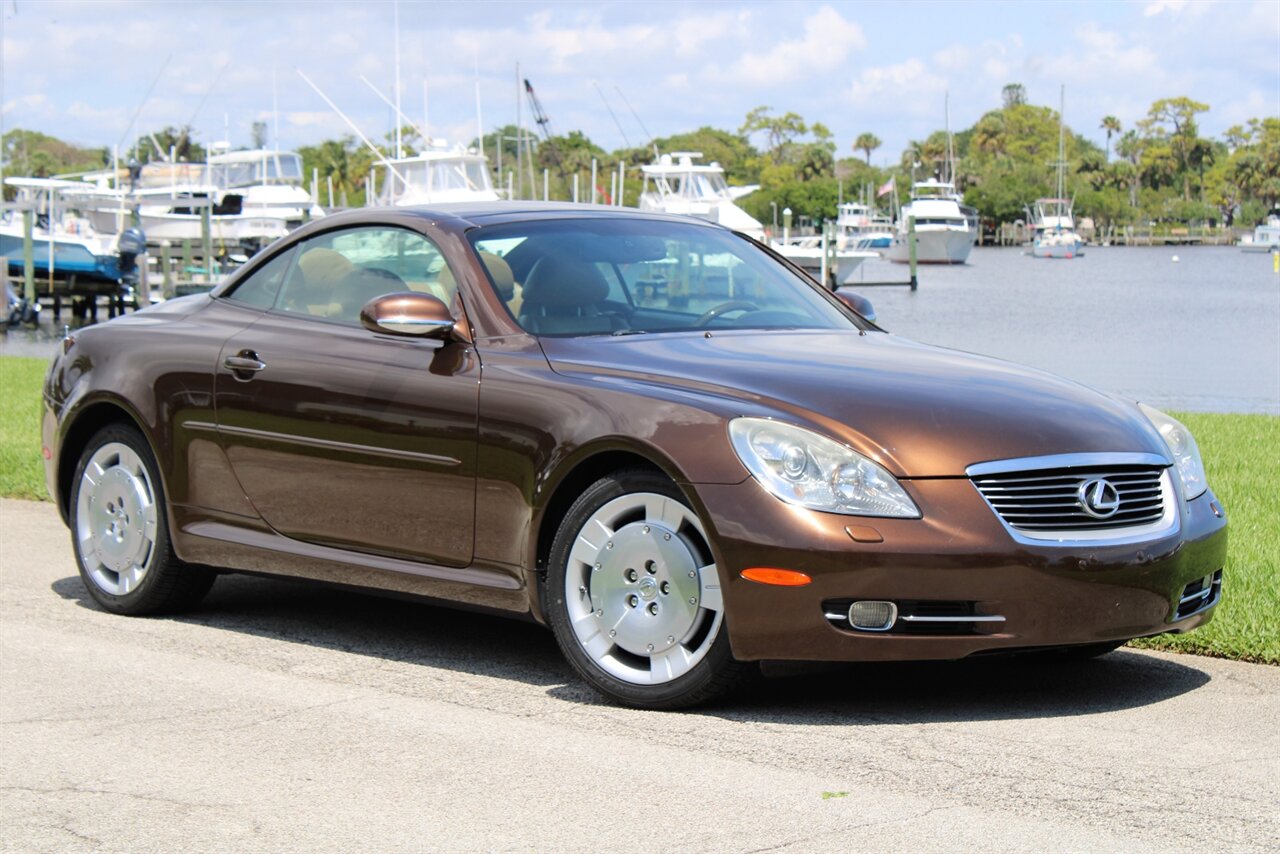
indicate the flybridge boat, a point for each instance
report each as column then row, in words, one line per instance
column 1055, row 230
column 1266, row 236
column 945, row 229
column 269, row 184
column 254, row 197
column 860, row 226
column 434, row 176
column 677, row 184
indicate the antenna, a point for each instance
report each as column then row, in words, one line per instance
column 376, row 152
column 275, row 113
column 616, row 123
column 479, row 119
column 399, row 114
column 637, row 118
column 396, row 106
column 145, row 98
column 951, row 154
column 207, row 92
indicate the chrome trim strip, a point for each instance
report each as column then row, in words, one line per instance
column 1215, row 590
column 326, row 444
column 1203, row 593
column 984, row 618
column 1062, row 461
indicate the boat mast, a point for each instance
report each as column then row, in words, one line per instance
column 1062, row 148
column 399, row 146
column 479, row 118
column 951, row 154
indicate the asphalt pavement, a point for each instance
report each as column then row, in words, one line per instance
column 284, row 716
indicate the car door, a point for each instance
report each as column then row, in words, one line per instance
column 345, row 437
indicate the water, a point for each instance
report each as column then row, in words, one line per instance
column 1200, row 334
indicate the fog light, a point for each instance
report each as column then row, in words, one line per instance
column 873, row 616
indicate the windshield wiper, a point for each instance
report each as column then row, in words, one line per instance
column 618, row 332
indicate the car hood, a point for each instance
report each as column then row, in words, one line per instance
column 919, row 410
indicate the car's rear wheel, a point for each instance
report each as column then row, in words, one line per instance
column 120, row 531
column 634, row 597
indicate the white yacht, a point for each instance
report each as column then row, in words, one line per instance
column 1054, row 230
column 945, row 230
column 436, row 175
column 270, row 185
column 677, row 184
column 1266, row 236
column 860, row 226
column 255, row 197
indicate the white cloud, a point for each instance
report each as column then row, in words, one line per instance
column 827, row 41
column 36, row 103
column 1175, row 8
column 909, row 86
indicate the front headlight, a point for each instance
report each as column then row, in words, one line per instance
column 802, row 467
column 1182, row 445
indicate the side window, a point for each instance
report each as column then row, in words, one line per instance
column 260, row 288
column 339, row 271
column 617, row 287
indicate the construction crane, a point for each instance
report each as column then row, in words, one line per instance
column 543, row 121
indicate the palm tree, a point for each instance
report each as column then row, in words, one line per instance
column 1111, row 125
column 867, row 142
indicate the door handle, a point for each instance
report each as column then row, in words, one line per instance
column 246, row 362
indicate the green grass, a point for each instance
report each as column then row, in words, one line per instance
column 21, row 468
column 1241, row 452
column 1242, row 459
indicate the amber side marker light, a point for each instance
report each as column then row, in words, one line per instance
column 776, row 577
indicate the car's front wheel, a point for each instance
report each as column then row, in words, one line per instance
column 120, row 531
column 634, row 597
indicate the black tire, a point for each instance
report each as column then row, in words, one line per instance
column 716, row 671
column 164, row 584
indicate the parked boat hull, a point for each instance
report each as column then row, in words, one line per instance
column 933, row 246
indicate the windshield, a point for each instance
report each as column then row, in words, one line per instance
column 629, row 276
column 442, row 175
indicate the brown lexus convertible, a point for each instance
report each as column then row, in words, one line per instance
column 647, row 432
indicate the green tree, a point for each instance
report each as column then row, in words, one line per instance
column 1173, row 120
column 1111, row 125
column 779, row 131
column 1013, row 95
column 155, row 147
column 34, row 154
column 867, row 142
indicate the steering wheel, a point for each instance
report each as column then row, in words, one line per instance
column 724, row 308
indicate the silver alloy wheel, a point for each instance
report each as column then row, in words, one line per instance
column 641, row 589
column 116, row 519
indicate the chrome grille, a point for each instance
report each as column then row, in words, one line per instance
column 1049, row 500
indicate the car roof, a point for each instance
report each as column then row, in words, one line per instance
column 490, row 213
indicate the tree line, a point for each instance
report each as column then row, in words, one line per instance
column 1161, row 169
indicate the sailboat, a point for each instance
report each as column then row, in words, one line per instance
column 1052, row 219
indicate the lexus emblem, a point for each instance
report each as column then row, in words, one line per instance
column 1099, row 498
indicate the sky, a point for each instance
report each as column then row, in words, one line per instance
column 82, row 70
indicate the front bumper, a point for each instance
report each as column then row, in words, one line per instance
column 958, row 555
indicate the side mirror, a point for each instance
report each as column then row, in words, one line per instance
column 858, row 303
column 410, row 314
